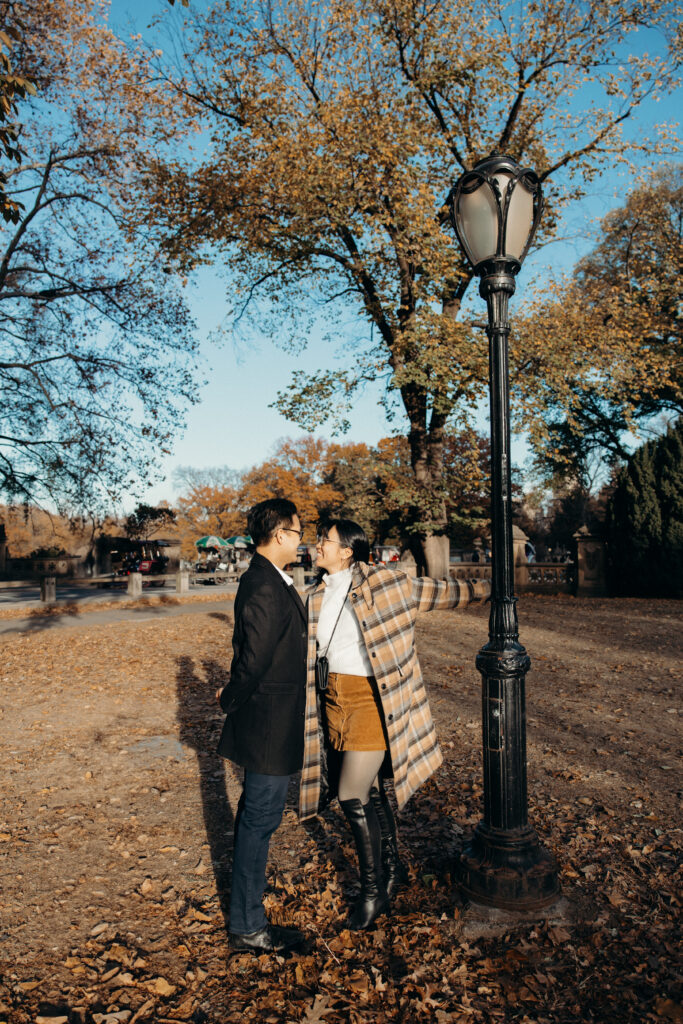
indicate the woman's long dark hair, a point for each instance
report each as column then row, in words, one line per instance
column 350, row 534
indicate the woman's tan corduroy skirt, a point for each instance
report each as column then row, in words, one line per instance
column 353, row 713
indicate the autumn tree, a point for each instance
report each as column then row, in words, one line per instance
column 372, row 484
column 371, row 481
column 336, row 131
column 29, row 528
column 467, row 482
column 380, row 492
column 209, row 507
column 217, row 500
column 96, row 342
column 602, row 357
column 296, row 470
column 146, row 520
column 210, row 499
column 13, row 89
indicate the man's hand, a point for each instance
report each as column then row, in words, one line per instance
column 218, row 694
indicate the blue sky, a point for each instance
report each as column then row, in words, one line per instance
column 233, row 424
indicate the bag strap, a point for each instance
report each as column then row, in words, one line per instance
column 338, row 618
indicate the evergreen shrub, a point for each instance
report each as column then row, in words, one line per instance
column 645, row 521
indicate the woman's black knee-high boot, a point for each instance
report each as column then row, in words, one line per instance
column 395, row 873
column 373, row 899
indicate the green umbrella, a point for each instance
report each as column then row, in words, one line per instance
column 211, row 542
column 239, row 542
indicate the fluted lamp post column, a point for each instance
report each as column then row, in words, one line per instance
column 495, row 209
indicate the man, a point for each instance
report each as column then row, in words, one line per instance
column 264, row 702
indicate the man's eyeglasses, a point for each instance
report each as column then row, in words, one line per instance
column 290, row 529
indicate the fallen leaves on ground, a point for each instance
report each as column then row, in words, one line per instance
column 116, row 821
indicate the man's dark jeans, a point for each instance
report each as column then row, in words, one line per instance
column 258, row 815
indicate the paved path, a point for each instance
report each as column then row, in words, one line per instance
column 29, row 596
column 80, row 617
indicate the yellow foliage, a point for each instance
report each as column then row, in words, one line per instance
column 336, row 132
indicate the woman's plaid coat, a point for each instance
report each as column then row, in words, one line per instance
column 386, row 602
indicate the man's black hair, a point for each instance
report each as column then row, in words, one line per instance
column 267, row 517
column 350, row 534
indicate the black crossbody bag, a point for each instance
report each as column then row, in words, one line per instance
column 322, row 665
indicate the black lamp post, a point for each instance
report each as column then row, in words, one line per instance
column 495, row 209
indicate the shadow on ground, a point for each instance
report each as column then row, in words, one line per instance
column 41, row 620
column 199, row 721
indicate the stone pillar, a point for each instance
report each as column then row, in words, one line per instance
column 590, row 570
column 298, row 576
column 408, row 567
column 519, row 541
column 182, row 583
column 407, row 563
column 135, row 584
column 48, row 589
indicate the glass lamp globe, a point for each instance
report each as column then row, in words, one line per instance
column 495, row 209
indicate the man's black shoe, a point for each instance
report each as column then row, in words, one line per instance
column 272, row 938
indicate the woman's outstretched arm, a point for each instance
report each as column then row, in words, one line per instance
column 432, row 595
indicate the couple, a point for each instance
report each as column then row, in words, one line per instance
column 377, row 716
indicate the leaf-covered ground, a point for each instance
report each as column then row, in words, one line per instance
column 116, row 818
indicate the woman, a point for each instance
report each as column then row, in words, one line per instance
column 362, row 618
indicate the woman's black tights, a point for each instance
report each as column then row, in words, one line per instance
column 359, row 770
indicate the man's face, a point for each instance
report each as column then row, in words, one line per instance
column 290, row 538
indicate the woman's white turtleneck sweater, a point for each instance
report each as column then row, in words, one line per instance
column 347, row 651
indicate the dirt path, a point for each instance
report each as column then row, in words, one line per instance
column 116, row 815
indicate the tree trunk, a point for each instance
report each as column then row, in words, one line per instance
column 431, row 547
column 437, row 556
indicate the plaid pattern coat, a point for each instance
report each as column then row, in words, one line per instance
column 386, row 602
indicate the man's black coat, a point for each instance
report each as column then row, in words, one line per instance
column 265, row 698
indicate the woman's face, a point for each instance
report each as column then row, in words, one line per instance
column 331, row 554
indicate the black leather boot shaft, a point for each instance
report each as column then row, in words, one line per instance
column 395, row 872
column 365, row 828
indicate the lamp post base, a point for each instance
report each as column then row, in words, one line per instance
column 507, row 869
